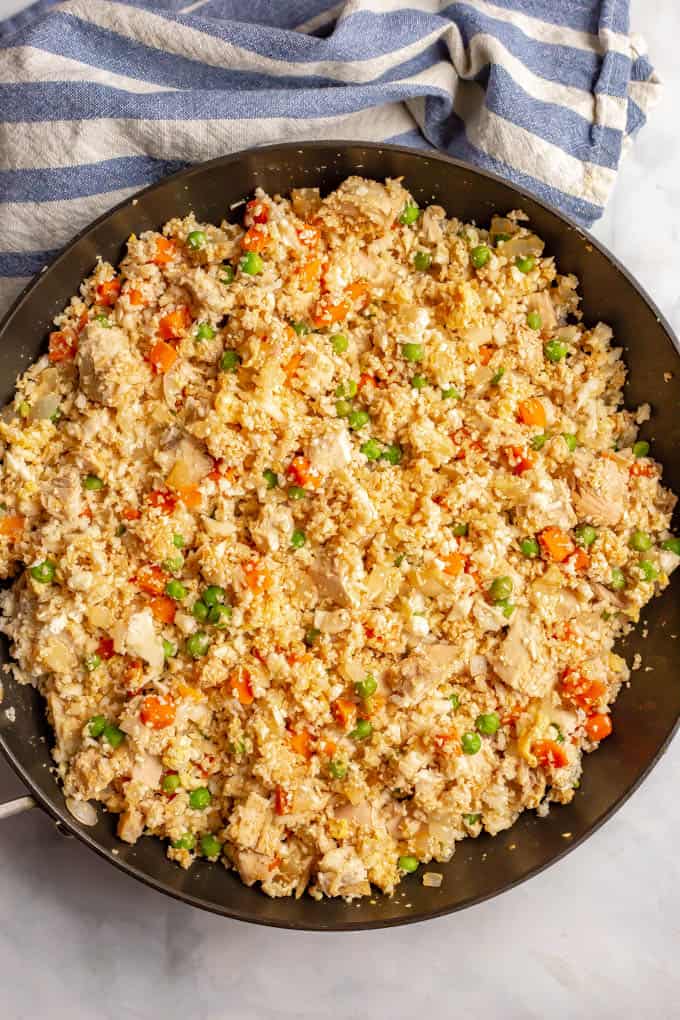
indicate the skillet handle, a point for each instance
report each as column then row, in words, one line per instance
column 13, row 807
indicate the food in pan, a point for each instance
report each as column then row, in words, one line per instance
column 322, row 526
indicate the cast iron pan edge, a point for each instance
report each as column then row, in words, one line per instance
column 484, row 867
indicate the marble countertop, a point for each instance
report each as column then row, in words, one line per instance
column 595, row 936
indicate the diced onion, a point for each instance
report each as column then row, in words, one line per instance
column 82, row 811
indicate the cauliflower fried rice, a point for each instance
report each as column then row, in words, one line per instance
column 323, row 526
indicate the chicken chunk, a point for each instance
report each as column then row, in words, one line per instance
column 331, row 449
column 522, row 660
column 600, row 493
column 343, row 873
column 248, row 820
column 111, row 371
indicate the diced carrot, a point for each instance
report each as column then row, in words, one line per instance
column 62, row 346
column 301, row 743
column 532, row 412
column 300, row 472
column 550, row 754
column 581, row 690
column 156, row 713
column 344, row 712
column 150, row 579
column 163, row 608
column 326, row 314
column 12, row 526
column 240, row 683
column 108, row 291
column 292, row 365
column 162, row 500
column 328, row 748
column 162, row 357
column 274, row 863
column 257, row 211
column 520, row 460
column 282, row 801
column 82, row 322
column 447, row 742
column 165, row 250
column 599, row 726
column 454, row 563
column 555, row 544
column 105, row 649
column 190, row 495
column 485, row 354
column 133, row 675
column 357, row 291
column 255, row 239
column 579, row 560
column 135, row 296
column 309, row 274
column 365, row 380
column 257, row 577
column 131, row 513
column 172, row 325
column 309, row 234
column 642, row 469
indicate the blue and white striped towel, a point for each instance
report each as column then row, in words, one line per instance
column 100, row 97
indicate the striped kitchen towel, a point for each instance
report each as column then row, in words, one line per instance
column 101, row 97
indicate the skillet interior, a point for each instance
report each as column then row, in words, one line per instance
column 645, row 715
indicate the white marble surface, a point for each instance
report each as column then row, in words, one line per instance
column 594, row 937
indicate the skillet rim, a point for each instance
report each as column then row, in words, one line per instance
column 62, row 817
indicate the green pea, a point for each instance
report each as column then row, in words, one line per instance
column 230, row 361
column 472, row 819
column 501, row 588
column 301, row 328
column 455, row 701
column 480, row 256
column 251, row 263
column 570, row 440
column 96, row 726
column 210, row 845
column 539, row 441
column 618, row 580
column 488, row 723
column 392, row 454
column 507, row 606
column 200, row 798
column 178, row 541
column 371, row 449
column 103, row 320
column 640, row 541
column 419, row 382
column 407, row 864
column 197, row 644
column 296, row 492
column 366, row 687
column 529, row 548
column 312, row 636
column 471, row 743
column 220, row 616
column 54, row 418
column 270, row 478
column 413, row 352
column 450, row 393
column 525, row 263
column 44, row 572
column 196, row 239
column 213, row 594
column 170, row 783
column 176, row 590
column 347, row 389
column 495, row 379
column 92, row 662
column 422, row 260
column 337, row 769
column 534, row 320
column 556, row 733
column 343, row 408
column 200, row 611
column 555, row 350
column 585, row 535
column 204, row 331
column 120, row 531
column 24, row 409
column 357, row 420
column 649, row 571
column 362, row 730
column 298, row 539
column 500, row 238
column 339, row 343
column 641, row 448
column 185, row 842
column 460, row 530
column 169, row 650
column 92, row 483
column 227, row 273
column 409, row 214
column 113, row 736
column 173, row 564
column 671, row 545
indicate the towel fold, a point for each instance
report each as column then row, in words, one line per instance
column 99, row 98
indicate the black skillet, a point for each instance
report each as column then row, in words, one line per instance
column 646, row 714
